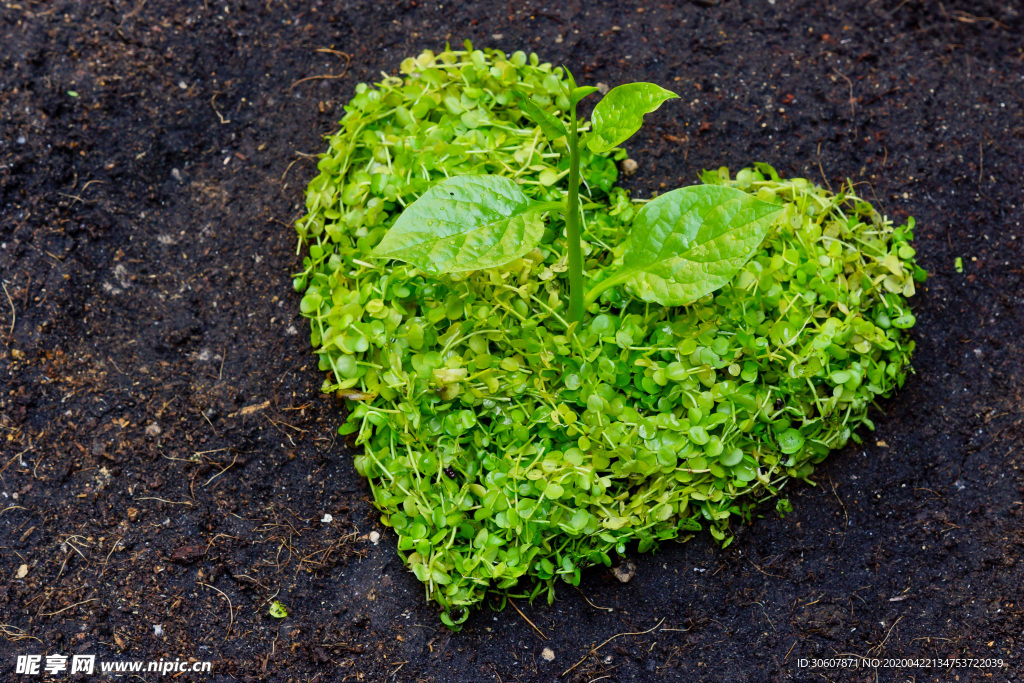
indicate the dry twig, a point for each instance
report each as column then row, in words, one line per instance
column 594, row 650
column 348, row 60
column 14, row 634
column 231, row 609
column 525, row 618
column 50, row 614
column 14, row 314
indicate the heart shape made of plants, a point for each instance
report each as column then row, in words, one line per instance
column 508, row 449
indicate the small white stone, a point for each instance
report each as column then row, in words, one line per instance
column 158, row 630
column 122, row 276
column 374, row 537
column 547, row 654
column 328, row 518
column 23, row 571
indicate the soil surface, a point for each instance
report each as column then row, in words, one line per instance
column 168, row 461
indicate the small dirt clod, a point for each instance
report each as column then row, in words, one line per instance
column 624, row 572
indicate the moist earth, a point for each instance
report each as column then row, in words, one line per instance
column 168, row 467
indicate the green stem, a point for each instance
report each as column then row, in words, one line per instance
column 572, row 225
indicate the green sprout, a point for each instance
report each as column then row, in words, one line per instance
column 683, row 245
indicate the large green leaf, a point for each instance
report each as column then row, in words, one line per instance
column 620, row 113
column 691, row 241
column 466, row 222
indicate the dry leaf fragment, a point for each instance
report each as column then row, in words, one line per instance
column 355, row 395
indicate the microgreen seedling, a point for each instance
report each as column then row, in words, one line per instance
column 683, row 245
column 278, row 610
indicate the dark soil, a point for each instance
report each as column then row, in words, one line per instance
column 167, row 457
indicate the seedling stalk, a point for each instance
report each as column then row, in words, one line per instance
column 572, row 224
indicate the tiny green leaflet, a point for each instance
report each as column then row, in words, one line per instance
column 620, row 113
column 552, row 127
column 576, row 95
column 468, row 222
column 690, row 242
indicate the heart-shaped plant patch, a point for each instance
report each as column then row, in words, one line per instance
column 734, row 332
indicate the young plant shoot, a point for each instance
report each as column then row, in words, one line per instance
column 683, row 245
column 543, row 373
